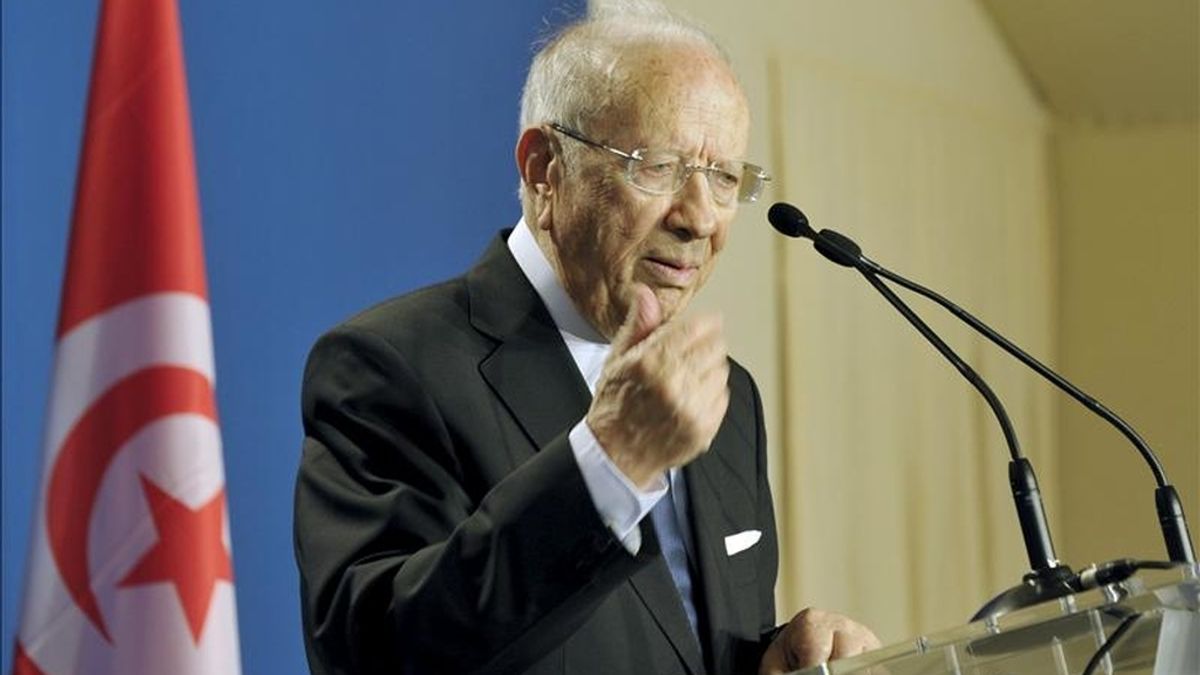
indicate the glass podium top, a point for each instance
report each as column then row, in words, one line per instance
column 1149, row 623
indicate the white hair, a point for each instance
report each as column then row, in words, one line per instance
column 572, row 77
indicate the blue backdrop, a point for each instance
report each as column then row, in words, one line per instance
column 345, row 152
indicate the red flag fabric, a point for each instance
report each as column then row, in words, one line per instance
column 130, row 569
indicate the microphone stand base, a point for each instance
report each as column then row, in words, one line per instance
column 1036, row 587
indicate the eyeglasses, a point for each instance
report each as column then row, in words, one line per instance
column 660, row 172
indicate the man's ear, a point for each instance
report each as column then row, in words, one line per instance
column 535, row 153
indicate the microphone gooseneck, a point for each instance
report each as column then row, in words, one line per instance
column 1048, row 578
column 791, row 221
column 993, row 401
column 1172, row 521
column 1041, row 369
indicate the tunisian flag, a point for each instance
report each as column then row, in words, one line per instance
column 130, row 569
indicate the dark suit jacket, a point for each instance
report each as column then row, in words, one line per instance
column 443, row 526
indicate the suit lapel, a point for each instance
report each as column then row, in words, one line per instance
column 530, row 370
column 533, row 373
column 541, row 388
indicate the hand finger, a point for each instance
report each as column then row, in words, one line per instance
column 844, row 645
column 682, row 358
column 812, row 649
column 710, row 380
column 702, row 329
column 707, row 385
column 775, row 660
column 679, row 333
column 712, row 356
column 645, row 315
column 717, row 415
column 704, row 387
column 689, row 348
column 812, row 644
column 707, row 404
column 852, row 641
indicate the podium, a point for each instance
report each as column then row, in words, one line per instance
column 1149, row 623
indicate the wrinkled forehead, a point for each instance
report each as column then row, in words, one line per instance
column 679, row 98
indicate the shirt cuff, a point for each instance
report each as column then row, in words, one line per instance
column 620, row 503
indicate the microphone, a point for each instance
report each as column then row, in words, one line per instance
column 1168, row 506
column 790, row 221
column 1048, row 578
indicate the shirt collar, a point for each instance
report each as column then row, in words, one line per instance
column 532, row 261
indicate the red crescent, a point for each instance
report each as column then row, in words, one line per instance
column 90, row 447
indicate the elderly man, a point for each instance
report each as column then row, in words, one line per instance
column 544, row 466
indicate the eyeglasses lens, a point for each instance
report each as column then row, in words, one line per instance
column 728, row 181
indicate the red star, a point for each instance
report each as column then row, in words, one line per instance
column 190, row 552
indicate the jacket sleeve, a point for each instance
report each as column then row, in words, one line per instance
column 400, row 570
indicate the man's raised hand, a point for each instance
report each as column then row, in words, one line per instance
column 663, row 392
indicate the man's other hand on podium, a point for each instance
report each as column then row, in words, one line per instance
column 815, row 636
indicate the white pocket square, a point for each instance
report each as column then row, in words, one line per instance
column 736, row 543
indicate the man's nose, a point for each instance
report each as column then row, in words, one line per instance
column 693, row 213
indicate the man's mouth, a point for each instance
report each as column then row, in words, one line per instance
column 671, row 271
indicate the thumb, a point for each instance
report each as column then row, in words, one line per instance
column 645, row 314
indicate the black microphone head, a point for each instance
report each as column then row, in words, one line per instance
column 789, row 220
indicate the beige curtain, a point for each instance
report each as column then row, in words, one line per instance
column 893, row 469
column 907, row 127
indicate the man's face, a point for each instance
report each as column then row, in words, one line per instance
column 607, row 235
